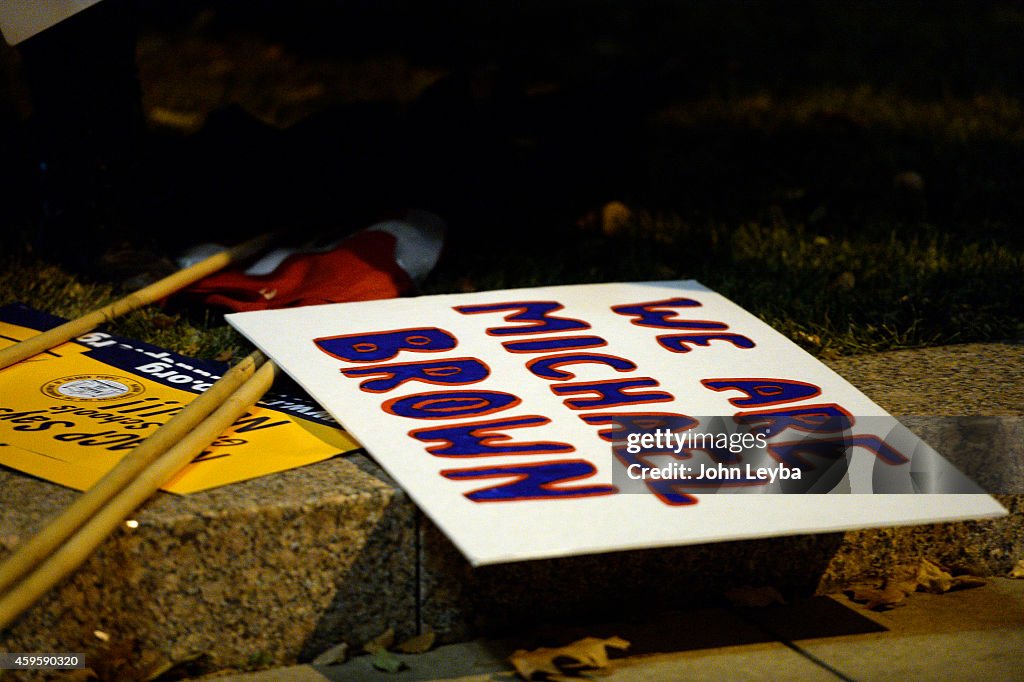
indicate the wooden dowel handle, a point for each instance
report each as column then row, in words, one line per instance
column 80, row 546
column 163, row 288
column 34, row 550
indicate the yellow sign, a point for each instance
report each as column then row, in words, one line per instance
column 71, row 414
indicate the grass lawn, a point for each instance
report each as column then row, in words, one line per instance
column 851, row 173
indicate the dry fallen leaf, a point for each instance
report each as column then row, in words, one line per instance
column 588, row 654
column 902, row 577
column 335, row 655
column 420, row 644
column 187, row 121
column 803, row 337
column 927, row 576
column 931, row 578
column 878, row 598
column 1018, row 570
column 381, row 642
column 615, row 215
column 964, row 582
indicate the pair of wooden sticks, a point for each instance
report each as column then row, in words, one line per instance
column 45, row 559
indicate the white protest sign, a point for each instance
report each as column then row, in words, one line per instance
column 496, row 412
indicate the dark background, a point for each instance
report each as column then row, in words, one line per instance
column 850, row 171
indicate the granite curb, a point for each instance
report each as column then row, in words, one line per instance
column 274, row 570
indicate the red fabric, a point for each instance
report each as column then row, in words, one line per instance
column 361, row 268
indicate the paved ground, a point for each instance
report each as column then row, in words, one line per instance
column 975, row 634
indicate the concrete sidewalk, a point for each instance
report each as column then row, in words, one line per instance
column 975, row 634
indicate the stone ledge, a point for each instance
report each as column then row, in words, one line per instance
column 279, row 568
column 270, row 569
column 973, row 382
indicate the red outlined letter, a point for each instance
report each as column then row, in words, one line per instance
column 450, row 372
column 547, row 367
column 536, row 315
column 611, row 393
column 821, row 418
column 484, row 439
column 532, row 481
column 377, row 346
column 450, row 404
column 652, row 314
column 764, row 392
column 680, row 343
column 554, row 344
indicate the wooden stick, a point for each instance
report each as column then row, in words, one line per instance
column 154, row 292
column 80, row 546
column 27, row 555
